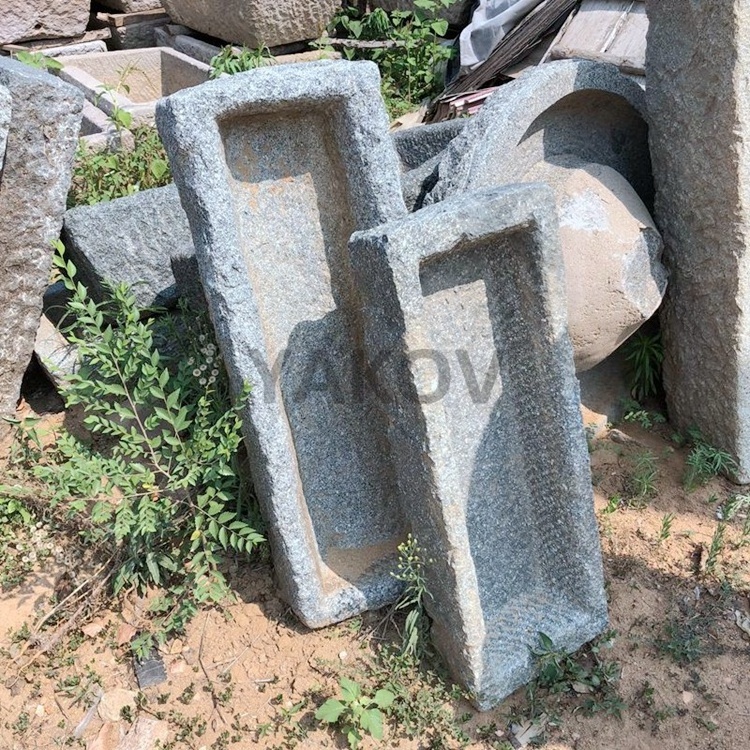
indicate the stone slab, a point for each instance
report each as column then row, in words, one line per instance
column 82, row 48
column 421, row 143
column 133, row 80
column 131, row 6
column 700, row 141
column 567, row 108
column 21, row 20
column 255, row 23
column 465, row 324
column 129, row 240
column 276, row 167
column 42, row 138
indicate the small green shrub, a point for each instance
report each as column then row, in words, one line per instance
column 158, row 491
column 644, row 354
column 103, row 176
column 230, row 61
column 409, row 67
column 355, row 713
column 636, row 414
column 38, row 60
column 705, row 462
column 410, row 570
column 642, row 480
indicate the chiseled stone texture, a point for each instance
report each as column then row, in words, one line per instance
column 464, row 308
column 21, row 20
column 131, row 6
column 698, row 77
column 421, row 143
column 129, row 240
column 569, row 107
column 42, row 137
column 612, row 251
column 255, row 23
column 276, row 168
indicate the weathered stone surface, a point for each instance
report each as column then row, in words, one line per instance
column 56, row 356
column 141, row 35
column 40, row 19
column 465, row 320
column 457, row 14
column 697, row 67
column 100, row 133
column 145, row 734
column 419, row 144
column 612, row 254
column 5, row 116
column 276, row 167
column 42, row 137
column 133, row 80
column 129, row 240
column 571, row 107
column 83, row 48
column 113, row 701
column 255, row 23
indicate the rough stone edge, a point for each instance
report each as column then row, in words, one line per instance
column 511, row 110
column 197, row 159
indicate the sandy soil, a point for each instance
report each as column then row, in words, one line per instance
column 251, row 676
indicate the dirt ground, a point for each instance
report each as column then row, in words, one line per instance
column 251, row 676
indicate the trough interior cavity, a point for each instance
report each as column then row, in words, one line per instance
column 292, row 207
column 596, row 126
column 480, row 311
column 142, row 75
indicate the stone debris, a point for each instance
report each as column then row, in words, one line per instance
column 255, row 23
column 129, row 240
column 114, row 701
column 56, row 356
column 271, row 211
column 490, row 454
column 45, row 117
column 700, row 123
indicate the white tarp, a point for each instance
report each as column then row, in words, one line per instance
column 491, row 21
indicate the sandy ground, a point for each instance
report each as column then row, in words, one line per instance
column 251, row 676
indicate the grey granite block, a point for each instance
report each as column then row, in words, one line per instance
column 41, row 19
column 276, row 168
column 465, row 324
column 700, row 142
column 421, row 143
column 45, row 118
column 130, row 240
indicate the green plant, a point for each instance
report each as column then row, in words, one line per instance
column 411, row 54
column 644, row 354
column 634, row 413
column 705, row 462
column 103, row 175
column 159, row 492
column 613, row 505
column 666, row 526
column 38, row 60
column 410, row 570
column 682, row 641
column 715, row 548
column 586, row 674
column 230, row 60
column 355, row 713
column 643, row 478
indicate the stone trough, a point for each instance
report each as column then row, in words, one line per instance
column 133, row 80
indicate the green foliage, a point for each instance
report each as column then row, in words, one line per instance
column 355, row 713
column 643, row 478
column 231, row 61
column 159, row 488
column 666, row 526
column 410, row 570
column 681, row 642
column 103, row 176
column 38, row 60
column 559, row 672
column 705, row 462
column 644, row 354
column 715, row 548
column 636, row 414
column 409, row 66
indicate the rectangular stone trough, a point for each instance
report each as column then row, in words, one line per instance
column 466, row 328
column 276, row 168
column 133, row 80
